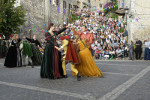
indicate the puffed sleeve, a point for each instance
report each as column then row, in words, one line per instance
column 65, row 43
column 76, row 33
column 90, row 38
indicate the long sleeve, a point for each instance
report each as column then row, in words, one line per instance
column 87, row 37
column 30, row 40
column 90, row 38
column 65, row 43
column 60, row 31
column 76, row 33
column 19, row 40
column 12, row 43
column 21, row 46
column 132, row 45
column 38, row 43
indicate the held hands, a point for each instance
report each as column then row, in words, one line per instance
column 24, row 37
column 59, row 49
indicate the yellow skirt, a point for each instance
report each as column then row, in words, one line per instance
column 87, row 67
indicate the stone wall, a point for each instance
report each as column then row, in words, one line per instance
column 139, row 22
column 96, row 3
column 41, row 12
column 82, row 3
column 35, row 18
column 59, row 17
column 103, row 2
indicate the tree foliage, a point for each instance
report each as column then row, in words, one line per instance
column 121, row 30
column 112, row 15
column 11, row 18
column 73, row 18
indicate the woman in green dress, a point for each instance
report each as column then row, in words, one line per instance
column 26, row 52
column 51, row 63
column 37, row 55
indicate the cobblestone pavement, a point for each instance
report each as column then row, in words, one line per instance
column 123, row 80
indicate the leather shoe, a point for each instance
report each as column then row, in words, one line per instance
column 78, row 77
column 65, row 76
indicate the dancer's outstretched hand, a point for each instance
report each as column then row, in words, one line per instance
column 68, row 26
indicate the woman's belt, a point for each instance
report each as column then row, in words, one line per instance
column 51, row 44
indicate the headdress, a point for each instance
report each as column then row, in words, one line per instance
column 64, row 37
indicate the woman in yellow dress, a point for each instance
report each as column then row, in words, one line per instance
column 87, row 67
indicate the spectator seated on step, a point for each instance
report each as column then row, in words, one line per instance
column 106, row 54
column 119, row 53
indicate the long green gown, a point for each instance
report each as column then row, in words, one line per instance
column 51, row 63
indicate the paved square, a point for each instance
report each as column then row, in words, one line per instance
column 123, row 80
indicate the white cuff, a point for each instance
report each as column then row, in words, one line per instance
column 62, row 47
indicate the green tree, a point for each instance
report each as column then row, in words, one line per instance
column 11, row 18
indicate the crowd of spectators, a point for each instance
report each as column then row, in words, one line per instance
column 109, row 41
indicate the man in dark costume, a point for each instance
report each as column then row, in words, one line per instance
column 70, row 55
column 138, row 49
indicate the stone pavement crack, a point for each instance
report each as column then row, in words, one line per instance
column 120, row 89
column 88, row 97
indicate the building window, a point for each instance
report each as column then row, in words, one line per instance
column 121, row 3
column 100, row 5
column 64, row 5
column 57, row 2
column 74, row 6
column 70, row 6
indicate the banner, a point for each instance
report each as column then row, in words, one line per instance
column 54, row 2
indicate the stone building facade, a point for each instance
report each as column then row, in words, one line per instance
column 90, row 4
column 98, row 3
column 39, row 13
column 58, row 13
column 138, row 18
column 83, row 4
